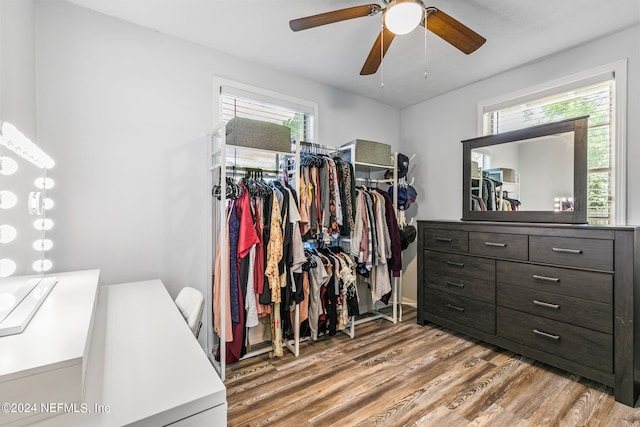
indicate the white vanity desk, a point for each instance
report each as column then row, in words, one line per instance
column 144, row 367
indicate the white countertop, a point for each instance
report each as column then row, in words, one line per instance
column 58, row 334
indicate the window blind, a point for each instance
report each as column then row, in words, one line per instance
column 595, row 100
column 298, row 119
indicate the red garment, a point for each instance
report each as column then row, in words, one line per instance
column 247, row 236
column 259, row 269
column 234, row 348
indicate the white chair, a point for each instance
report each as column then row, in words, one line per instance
column 190, row 302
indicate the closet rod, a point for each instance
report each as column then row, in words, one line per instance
column 318, row 146
column 374, row 180
column 234, row 169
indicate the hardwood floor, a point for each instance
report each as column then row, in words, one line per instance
column 412, row 375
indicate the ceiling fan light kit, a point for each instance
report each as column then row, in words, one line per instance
column 399, row 17
column 403, row 16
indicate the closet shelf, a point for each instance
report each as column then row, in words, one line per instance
column 241, row 150
column 370, row 167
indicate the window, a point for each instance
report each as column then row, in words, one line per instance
column 482, row 159
column 238, row 100
column 595, row 99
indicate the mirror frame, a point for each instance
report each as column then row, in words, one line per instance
column 578, row 216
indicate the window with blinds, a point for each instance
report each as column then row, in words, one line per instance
column 595, row 100
column 299, row 120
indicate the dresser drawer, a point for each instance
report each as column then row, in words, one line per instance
column 587, row 285
column 466, row 311
column 588, row 253
column 479, row 289
column 581, row 345
column 499, row 245
column 446, row 240
column 460, row 265
column 577, row 311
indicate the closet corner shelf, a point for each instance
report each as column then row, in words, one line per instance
column 370, row 167
column 241, row 148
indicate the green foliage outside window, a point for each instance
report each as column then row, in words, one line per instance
column 297, row 126
column 597, row 107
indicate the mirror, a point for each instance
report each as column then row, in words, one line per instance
column 24, row 224
column 537, row 174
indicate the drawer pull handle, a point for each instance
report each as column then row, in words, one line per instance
column 458, row 285
column 546, row 304
column 455, row 264
column 544, row 334
column 567, row 251
column 497, row 245
column 444, row 239
column 546, row 279
column 455, row 307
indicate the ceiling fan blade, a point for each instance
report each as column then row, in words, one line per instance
column 334, row 16
column 374, row 59
column 453, row 31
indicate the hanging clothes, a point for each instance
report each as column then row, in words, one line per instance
column 395, row 260
column 326, row 208
column 219, row 288
column 489, row 193
column 234, row 347
column 375, row 242
column 264, row 265
column 318, row 278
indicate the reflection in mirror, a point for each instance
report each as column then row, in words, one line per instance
column 531, row 175
column 537, row 174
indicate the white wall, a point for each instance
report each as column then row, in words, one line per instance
column 17, row 65
column 123, row 111
column 434, row 129
column 18, row 106
column 555, row 156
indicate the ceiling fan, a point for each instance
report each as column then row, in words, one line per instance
column 398, row 17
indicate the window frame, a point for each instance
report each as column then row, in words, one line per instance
column 616, row 71
column 222, row 85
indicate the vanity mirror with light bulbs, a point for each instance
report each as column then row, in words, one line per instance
column 24, row 226
column 536, row 174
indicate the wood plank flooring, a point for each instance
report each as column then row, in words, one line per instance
column 412, row 375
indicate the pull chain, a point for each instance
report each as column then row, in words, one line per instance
column 425, row 46
column 382, row 57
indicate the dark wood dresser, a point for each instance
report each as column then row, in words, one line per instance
column 561, row 294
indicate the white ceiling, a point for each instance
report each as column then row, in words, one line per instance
column 517, row 32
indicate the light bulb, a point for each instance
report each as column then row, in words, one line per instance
column 7, row 267
column 8, row 199
column 403, row 16
column 15, row 141
column 42, row 265
column 8, row 166
column 45, row 224
column 7, row 233
column 44, row 183
column 42, row 245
